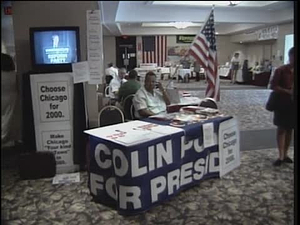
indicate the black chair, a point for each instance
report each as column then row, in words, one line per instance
column 132, row 112
column 127, row 106
column 110, row 115
column 209, row 103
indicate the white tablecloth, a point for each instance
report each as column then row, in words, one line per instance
column 164, row 70
column 239, row 76
column 182, row 72
column 224, row 71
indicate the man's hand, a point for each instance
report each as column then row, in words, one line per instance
column 165, row 96
column 160, row 86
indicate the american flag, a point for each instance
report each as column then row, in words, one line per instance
column 154, row 49
column 204, row 50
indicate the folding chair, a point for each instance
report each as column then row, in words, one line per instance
column 127, row 105
column 209, row 103
column 110, row 115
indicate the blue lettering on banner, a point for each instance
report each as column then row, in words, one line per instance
column 140, row 176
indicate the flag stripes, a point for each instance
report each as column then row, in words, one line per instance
column 204, row 50
column 154, row 49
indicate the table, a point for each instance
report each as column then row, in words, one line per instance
column 239, row 76
column 261, row 78
column 139, row 164
column 224, row 71
column 182, row 73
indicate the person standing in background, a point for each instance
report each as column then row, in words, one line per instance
column 245, row 72
column 197, row 70
column 116, row 83
column 284, row 115
column 235, row 64
column 110, row 73
column 9, row 93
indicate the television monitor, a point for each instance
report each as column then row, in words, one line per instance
column 54, row 49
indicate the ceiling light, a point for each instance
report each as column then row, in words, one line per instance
column 233, row 3
column 181, row 25
column 217, row 33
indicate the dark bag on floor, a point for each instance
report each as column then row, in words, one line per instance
column 37, row 165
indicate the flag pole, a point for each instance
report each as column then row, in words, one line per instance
column 187, row 54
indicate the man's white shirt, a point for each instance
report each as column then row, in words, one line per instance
column 235, row 60
column 112, row 71
column 145, row 100
column 114, row 86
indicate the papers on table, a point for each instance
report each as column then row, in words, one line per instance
column 164, row 116
column 66, row 178
column 133, row 132
column 189, row 100
column 208, row 135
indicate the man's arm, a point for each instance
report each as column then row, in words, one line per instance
column 145, row 112
column 140, row 104
column 164, row 93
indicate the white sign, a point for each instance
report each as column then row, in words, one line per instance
column 95, row 46
column 133, row 132
column 81, row 72
column 52, row 100
column 268, row 33
column 229, row 146
column 208, row 135
column 66, row 178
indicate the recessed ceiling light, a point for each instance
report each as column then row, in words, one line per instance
column 241, row 42
column 217, row 33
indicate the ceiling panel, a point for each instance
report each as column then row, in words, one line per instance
column 128, row 17
column 217, row 3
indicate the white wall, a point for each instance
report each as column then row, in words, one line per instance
column 278, row 46
column 109, row 50
column 28, row 14
column 260, row 50
column 225, row 48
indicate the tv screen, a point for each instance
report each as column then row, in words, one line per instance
column 54, row 47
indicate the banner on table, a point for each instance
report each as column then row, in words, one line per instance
column 52, row 101
column 229, row 146
column 134, row 178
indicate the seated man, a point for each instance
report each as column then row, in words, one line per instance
column 130, row 87
column 116, row 83
column 148, row 101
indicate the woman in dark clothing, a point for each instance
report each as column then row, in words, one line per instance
column 284, row 117
column 246, row 72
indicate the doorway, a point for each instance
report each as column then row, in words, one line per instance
column 126, row 52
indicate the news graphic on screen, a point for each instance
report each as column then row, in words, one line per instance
column 289, row 43
column 55, row 47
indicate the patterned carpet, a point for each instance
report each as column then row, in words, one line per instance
column 254, row 193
